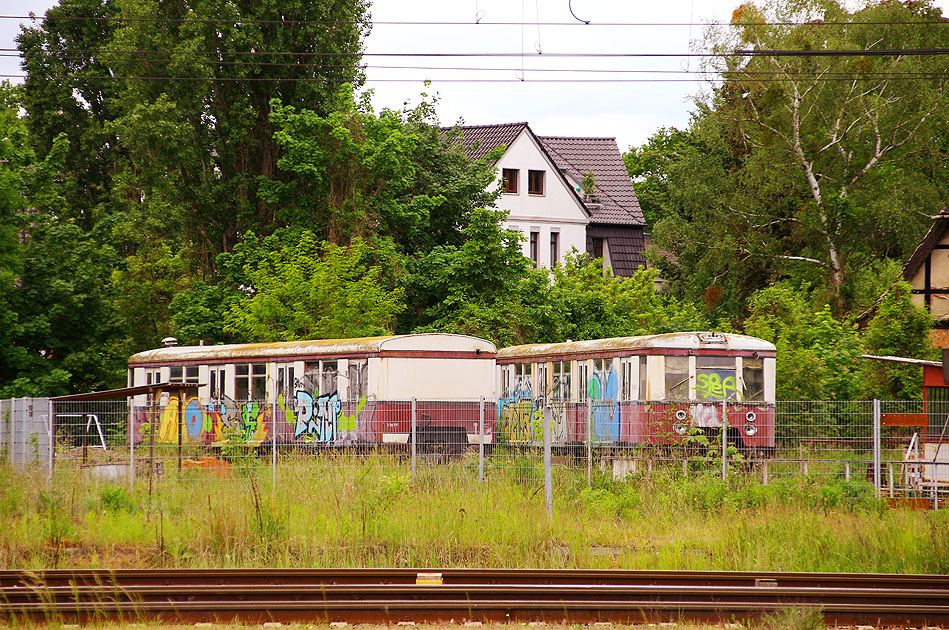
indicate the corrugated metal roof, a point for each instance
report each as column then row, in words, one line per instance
column 617, row 202
column 478, row 140
column 434, row 342
column 689, row 340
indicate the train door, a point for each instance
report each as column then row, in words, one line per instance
column 603, row 391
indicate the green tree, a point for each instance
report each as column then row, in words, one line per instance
column 391, row 175
column 473, row 288
column 899, row 328
column 818, row 357
column 591, row 303
column 830, row 170
column 649, row 167
column 813, row 169
column 309, row 289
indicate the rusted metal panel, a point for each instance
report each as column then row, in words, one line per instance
column 905, row 419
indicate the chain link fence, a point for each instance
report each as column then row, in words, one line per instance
column 901, row 447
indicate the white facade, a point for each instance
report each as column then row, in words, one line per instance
column 555, row 218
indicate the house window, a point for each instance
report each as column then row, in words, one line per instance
column 597, row 247
column 509, row 180
column 535, row 248
column 554, row 248
column 535, row 182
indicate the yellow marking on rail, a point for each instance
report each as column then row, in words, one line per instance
column 429, row 578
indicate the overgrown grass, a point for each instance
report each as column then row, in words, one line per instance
column 367, row 511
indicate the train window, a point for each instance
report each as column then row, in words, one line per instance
column 627, row 369
column 752, row 377
column 506, row 380
column 358, row 379
column 242, row 381
column 184, row 374
column 715, row 378
column 541, row 380
column 259, row 381
column 677, row 378
column 328, row 384
column 642, row 379
column 583, row 375
column 217, row 383
column 523, row 379
column 153, row 376
column 285, row 382
column 560, row 387
column 250, row 381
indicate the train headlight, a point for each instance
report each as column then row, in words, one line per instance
column 751, row 416
column 680, row 428
column 750, row 430
column 682, row 415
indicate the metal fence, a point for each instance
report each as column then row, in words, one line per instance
column 901, row 447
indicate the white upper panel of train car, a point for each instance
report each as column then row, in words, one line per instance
column 423, row 344
column 642, row 345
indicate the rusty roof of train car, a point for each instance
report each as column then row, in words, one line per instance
column 679, row 340
column 358, row 346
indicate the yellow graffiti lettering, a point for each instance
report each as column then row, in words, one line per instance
column 714, row 386
column 170, row 418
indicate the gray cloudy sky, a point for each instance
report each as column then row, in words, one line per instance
column 630, row 111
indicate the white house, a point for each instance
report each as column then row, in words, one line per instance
column 542, row 182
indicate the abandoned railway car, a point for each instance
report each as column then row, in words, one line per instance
column 332, row 392
column 655, row 389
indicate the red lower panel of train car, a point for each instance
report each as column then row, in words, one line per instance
column 439, row 422
column 668, row 423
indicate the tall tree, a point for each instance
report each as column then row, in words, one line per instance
column 837, row 158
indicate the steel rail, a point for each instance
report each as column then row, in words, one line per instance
column 54, row 577
column 208, row 595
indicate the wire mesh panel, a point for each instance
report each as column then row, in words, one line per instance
column 824, row 438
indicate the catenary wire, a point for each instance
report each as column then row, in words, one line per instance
column 894, row 52
column 467, row 80
column 291, row 21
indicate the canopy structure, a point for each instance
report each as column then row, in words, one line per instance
column 156, row 389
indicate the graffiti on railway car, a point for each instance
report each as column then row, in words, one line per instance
column 217, row 421
column 603, row 390
column 317, row 417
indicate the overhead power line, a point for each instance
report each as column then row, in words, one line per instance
column 80, row 78
column 893, row 52
column 678, row 71
column 580, row 24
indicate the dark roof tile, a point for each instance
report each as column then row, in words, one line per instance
column 618, row 204
column 478, row 140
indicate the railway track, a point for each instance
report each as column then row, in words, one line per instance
column 485, row 595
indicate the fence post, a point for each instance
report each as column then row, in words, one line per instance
column 548, row 481
column 413, row 437
column 724, row 439
column 481, row 442
column 273, row 433
column 131, row 412
column 877, row 482
column 52, row 439
column 589, row 442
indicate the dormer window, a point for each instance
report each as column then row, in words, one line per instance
column 535, row 182
column 509, row 178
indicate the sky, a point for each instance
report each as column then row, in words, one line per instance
column 630, row 111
